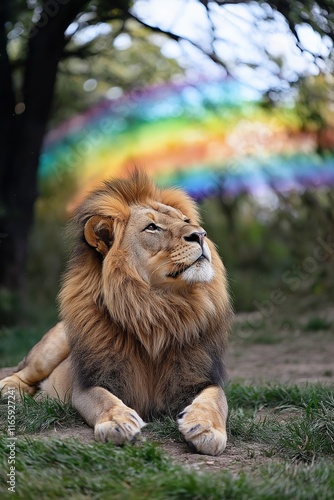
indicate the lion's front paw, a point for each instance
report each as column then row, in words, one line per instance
column 14, row 382
column 120, row 426
column 202, row 429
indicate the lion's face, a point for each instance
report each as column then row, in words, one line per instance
column 165, row 247
column 158, row 241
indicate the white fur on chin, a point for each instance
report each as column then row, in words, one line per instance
column 200, row 272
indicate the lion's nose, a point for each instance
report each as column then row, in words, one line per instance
column 197, row 236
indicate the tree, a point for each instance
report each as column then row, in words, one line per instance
column 314, row 106
column 27, row 86
column 23, row 129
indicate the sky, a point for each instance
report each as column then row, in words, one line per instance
column 237, row 41
column 250, row 54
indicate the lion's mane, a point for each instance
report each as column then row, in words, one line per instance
column 154, row 349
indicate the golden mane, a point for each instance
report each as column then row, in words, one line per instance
column 117, row 195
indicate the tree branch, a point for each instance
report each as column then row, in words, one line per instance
column 212, row 55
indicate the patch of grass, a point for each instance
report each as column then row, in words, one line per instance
column 303, row 438
column 274, row 395
column 35, row 415
column 298, row 481
column 315, row 324
column 242, row 425
column 70, row 469
column 73, row 470
column 310, row 436
column 301, row 427
column 239, row 423
column 163, row 428
column 298, row 431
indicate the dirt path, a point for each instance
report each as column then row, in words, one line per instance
column 300, row 359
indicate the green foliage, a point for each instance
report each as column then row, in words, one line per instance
column 315, row 324
column 15, row 342
column 39, row 414
column 9, row 306
column 70, row 469
column 99, row 57
column 140, row 63
column 274, row 253
column 314, row 106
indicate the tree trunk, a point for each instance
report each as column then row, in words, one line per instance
column 23, row 132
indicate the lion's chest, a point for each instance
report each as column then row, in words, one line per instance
column 153, row 387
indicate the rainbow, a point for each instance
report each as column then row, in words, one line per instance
column 207, row 137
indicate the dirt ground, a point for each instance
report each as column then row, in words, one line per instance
column 300, row 359
column 297, row 359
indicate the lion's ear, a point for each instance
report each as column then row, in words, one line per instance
column 98, row 233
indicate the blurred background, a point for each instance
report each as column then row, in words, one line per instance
column 231, row 100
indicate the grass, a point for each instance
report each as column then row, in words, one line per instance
column 164, row 428
column 294, row 425
column 71, row 469
column 37, row 415
column 312, row 435
column 300, row 436
column 301, row 427
column 273, row 395
column 317, row 324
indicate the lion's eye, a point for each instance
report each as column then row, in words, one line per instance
column 152, row 227
column 187, row 221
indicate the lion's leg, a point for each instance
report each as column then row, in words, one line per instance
column 40, row 362
column 203, row 423
column 111, row 418
column 59, row 383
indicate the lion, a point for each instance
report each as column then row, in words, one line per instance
column 145, row 315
